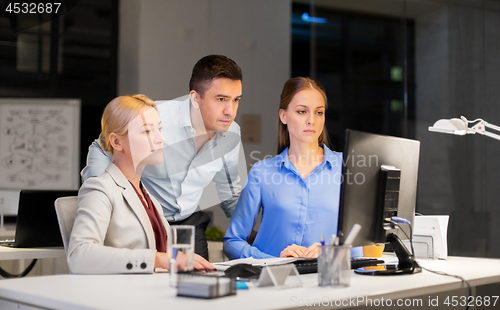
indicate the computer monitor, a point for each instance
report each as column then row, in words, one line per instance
column 37, row 224
column 379, row 181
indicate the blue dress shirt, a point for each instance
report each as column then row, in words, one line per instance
column 294, row 210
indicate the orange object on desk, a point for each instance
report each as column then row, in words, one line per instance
column 373, row 250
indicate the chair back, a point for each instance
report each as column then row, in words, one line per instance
column 66, row 212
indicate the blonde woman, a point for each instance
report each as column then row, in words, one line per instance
column 119, row 227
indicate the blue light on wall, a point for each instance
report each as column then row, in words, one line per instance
column 312, row 19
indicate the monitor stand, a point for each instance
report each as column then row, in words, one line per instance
column 407, row 263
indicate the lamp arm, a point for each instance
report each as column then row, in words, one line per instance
column 494, row 127
column 491, row 135
column 480, row 128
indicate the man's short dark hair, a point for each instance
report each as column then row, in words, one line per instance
column 211, row 67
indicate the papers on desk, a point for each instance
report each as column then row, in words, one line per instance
column 256, row 262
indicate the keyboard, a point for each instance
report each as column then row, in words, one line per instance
column 311, row 265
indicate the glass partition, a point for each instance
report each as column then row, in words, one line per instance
column 395, row 67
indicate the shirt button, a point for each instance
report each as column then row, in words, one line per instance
column 129, row 266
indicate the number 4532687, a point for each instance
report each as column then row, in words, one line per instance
column 478, row 301
column 33, row 8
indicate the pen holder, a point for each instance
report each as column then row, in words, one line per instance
column 334, row 266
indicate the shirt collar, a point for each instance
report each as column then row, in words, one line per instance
column 185, row 113
column 330, row 159
column 283, row 159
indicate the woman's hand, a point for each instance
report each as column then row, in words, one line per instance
column 162, row 260
column 293, row 251
column 200, row 263
column 312, row 251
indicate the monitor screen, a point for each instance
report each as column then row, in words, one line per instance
column 364, row 155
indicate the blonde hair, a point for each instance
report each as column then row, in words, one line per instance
column 117, row 116
column 292, row 87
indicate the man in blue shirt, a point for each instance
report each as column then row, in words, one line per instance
column 202, row 144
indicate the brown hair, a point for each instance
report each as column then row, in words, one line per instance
column 211, row 67
column 117, row 116
column 292, row 87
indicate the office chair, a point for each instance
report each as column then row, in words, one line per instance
column 66, row 212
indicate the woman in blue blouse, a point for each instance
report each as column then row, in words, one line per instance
column 298, row 190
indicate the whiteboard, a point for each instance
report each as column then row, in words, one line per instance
column 39, row 143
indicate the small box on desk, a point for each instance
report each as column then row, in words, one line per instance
column 205, row 286
column 430, row 237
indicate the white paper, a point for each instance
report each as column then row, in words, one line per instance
column 258, row 262
column 39, row 143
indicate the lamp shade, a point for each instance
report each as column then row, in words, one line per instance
column 454, row 126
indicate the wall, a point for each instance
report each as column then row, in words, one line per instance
column 160, row 41
column 457, row 71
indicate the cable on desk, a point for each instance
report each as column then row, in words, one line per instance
column 9, row 275
column 441, row 273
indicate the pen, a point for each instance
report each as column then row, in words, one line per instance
column 352, row 235
column 333, row 240
column 174, row 253
column 322, row 239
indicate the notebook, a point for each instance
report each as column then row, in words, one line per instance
column 37, row 224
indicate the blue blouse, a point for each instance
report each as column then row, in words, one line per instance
column 294, row 210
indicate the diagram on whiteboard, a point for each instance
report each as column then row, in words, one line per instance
column 37, row 144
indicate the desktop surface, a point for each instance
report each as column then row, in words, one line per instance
column 11, row 253
column 151, row 291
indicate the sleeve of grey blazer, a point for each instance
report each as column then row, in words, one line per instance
column 108, row 236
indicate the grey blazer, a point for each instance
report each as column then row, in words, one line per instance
column 112, row 232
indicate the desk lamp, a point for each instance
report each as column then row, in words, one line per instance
column 460, row 127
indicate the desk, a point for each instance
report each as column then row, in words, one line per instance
column 9, row 232
column 51, row 260
column 8, row 253
column 152, row 291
